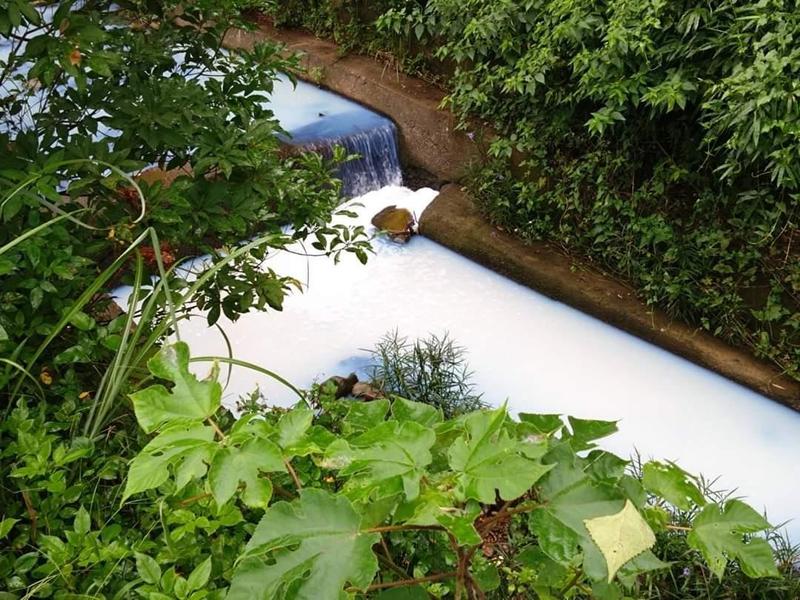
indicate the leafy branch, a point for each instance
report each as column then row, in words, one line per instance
column 403, row 471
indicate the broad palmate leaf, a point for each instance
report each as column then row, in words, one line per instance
column 384, row 452
column 188, row 400
column 718, row 533
column 487, row 458
column 307, row 550
column 244, row 464
column 672, row 483
column 621, row 537
column 186, row 448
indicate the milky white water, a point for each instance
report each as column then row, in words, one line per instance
column 538, row 354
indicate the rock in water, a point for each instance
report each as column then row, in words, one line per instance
column 344, row 385
column 398, row 223
column 365, row 391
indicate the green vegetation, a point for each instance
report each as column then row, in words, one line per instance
column 121, row 476
column 432, row 371
column 656, row 138
column 364, row 497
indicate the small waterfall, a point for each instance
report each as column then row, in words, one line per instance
column 317, row 119
column 378, row 164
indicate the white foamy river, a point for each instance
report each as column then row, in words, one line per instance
column 536, row 353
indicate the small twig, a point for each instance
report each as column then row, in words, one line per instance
column 392, row 565
column 571, row 584
column 462, row 566
column 193, row 499
column 293, row 473
column 32, row 514
column 282, row 491
column 216, row 428
column 476, row 588
column 406, row 582
column 678, row 528
column 506, row 511
column 389, row 558
column 390, row 528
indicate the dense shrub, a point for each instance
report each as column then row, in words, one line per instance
column 431, row 370
column 90, row 107
column 657, row 138
column 95, row 97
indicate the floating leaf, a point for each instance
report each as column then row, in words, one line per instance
column 718, row 533
column 487, row 460
column 188, row 400
column 309, row 549
column 621, row 536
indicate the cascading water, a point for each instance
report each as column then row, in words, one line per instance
column 318, row 120
column 377, row 164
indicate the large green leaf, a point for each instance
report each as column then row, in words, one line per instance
column 244, row 464
column 364, row 415
column 435, row 506
column 570, row 497
column 307, row 550
column 390, row 450
column 486, row 459
column 293, row 425
column 189, row 399
column 673, row 484
column 424, row 414
column 620, row 537
column 298, row 437
column 586, row 431
column 187, row 448
column 548, row 424
column 718, row 533
column 461, row 523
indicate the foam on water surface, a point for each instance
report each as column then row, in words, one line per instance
column 538, row 354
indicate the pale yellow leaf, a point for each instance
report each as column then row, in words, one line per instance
column 621, row 536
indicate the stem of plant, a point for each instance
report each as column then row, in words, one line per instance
column 216, row 428
column 293, row 473
column 572, row 583
column 32, row 515
column 193, row 499
column 406, row 582
column 390, row 528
